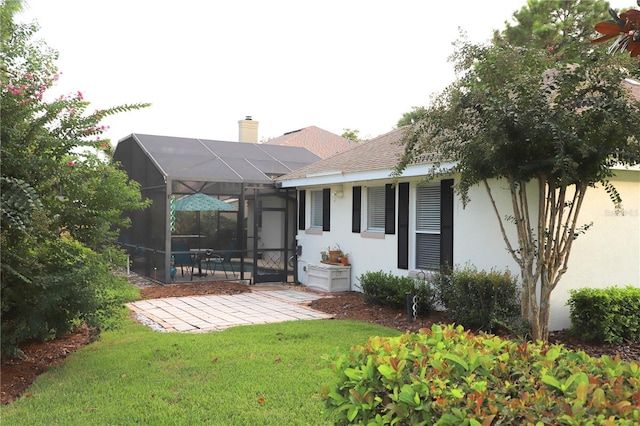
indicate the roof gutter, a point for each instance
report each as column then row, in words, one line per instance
column 332, row 178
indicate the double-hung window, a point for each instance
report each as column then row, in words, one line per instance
column 428, row 227
column 376, row 208
column 316, row 209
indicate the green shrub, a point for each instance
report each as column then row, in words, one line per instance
column 426, row 297
column 448, row 376
column 609, row 315
column 480, row 300
column 111, row 295
column 61, row 285
column 391, row 290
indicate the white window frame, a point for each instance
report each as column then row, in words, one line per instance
column 376, row 208
column 428, row 227
column 316, row 209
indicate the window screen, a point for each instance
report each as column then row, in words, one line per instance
column 316, row 209
column 376, row 208
column 428, row 227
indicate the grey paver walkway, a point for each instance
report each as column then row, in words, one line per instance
column 213, row 313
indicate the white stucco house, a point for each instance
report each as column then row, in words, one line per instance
column 404, row 227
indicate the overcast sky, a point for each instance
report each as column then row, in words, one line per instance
column 205, row 64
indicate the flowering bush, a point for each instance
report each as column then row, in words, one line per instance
column 61, row 198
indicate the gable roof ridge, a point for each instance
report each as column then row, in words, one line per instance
column 381, row 152
column 294, row 131
column 317, row 140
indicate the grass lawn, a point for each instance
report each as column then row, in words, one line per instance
column 252, row 375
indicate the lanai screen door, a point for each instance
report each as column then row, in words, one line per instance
column 270, row 261
column 274, row 233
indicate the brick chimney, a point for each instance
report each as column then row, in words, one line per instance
column 248, row 130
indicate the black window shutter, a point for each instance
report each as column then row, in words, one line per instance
column 326, row 209
column 390, row 209
column 446, row 222
column 356, row 216
column 302, row 202
column 403, row 226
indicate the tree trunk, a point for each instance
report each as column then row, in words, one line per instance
column 543, row 315
column 525, row 308
column 529, row 303
column 546, row 288
column 542, row 252
column 525, row 253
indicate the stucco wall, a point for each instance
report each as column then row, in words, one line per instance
column 366, row 254
column 608, row 254
column 477, row 236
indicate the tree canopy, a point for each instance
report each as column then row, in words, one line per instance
column 516, row 113
column 62, row 197
column 351, row 134
column 411, row 117
column 560, row 27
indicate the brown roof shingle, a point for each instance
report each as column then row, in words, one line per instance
column 379, row 153
column 321, row 142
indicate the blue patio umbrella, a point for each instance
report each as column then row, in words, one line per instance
column 201, row 202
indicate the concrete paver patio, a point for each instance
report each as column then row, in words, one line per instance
column 214, row 313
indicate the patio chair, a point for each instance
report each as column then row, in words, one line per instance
column 182, row 257
column 217, row 260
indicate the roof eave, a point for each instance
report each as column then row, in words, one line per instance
column 412, row 171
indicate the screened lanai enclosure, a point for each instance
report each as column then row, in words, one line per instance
column 215, row 211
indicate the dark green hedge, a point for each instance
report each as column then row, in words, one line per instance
column 390, row 290
column 480, row 300
column 609, row 315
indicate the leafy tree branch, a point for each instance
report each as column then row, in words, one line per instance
column 552, row 130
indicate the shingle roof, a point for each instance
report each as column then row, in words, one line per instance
column 379, row 153
column 321, row 142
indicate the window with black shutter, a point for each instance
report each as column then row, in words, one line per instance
column 326, row 209
column 356, row 210
column 390, row 209
column 302, row 201
column 375, row 208
column 434, row 225
column 316, row 209
column 428, row 227
column 403, row 225
column 446, row 222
